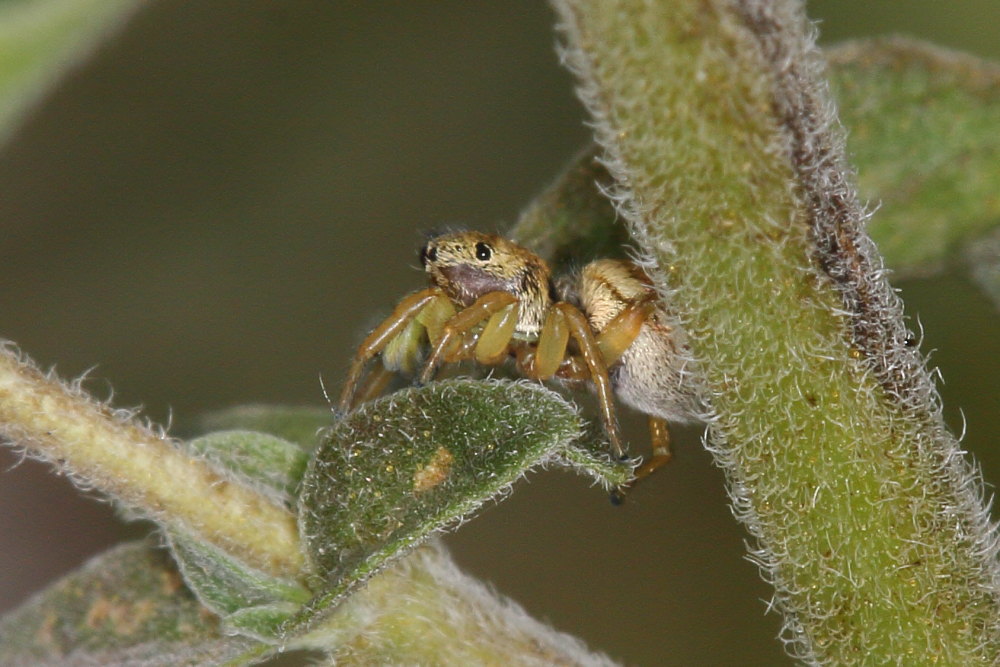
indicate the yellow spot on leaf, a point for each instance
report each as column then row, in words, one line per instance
column 435, row 472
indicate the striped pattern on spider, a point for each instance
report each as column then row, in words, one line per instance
column 491, row 299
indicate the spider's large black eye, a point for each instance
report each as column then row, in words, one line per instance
column 428, row 253
column 483, row 251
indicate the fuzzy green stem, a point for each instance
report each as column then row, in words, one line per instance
column 145, row 470
column 731, row 173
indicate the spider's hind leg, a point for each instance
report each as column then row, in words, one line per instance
column 614, row 340
column 659, row 436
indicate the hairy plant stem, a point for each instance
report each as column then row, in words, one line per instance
column 730, row 170
column 106, row 449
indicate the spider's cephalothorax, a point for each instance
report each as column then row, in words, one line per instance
column 489, row 299
column 468, row 265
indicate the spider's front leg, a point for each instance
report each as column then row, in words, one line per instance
column 424, row 308
column 499, row 308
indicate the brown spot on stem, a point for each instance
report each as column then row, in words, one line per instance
column 435, row 472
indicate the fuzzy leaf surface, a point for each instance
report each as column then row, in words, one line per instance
column 983, row 256
column 923, row 127
column 411, row 464
column 270, row 464
column 126, row 606
column 250, row 601
column 924, row 130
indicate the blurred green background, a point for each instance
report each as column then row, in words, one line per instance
column 214, row 208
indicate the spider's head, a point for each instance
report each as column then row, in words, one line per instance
column 467, row 265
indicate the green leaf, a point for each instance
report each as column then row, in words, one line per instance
column 40, row 40
column 411, row 464
column 263, row 621
column 924, row 131
column 232, row 589
column 269, row 464
column 983, row 257
column 298, row 424
column 126, row 606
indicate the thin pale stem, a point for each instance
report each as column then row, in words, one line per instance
column 145, row 470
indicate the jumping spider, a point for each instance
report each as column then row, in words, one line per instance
column 492, row 299
column 646, row 355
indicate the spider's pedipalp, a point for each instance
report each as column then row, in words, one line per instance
column 491, row 347
column 461, row 324
column 551, row 348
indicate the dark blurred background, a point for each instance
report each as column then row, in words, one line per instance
column 214, row 209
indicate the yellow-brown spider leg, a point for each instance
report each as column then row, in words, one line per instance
column 659, row 435
column 435, row 316
column 402, row 354
column 622, row 330
column 494, row 341
column 484, row 307
column 407, row 309
column 524, row 359
column 573, row 368
column 551, row 348
column 580, row 330
column 373, row 385
column 617, row 336
column 461, row 348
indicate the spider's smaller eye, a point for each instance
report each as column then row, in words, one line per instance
column 428, row 253
column 483, row 251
